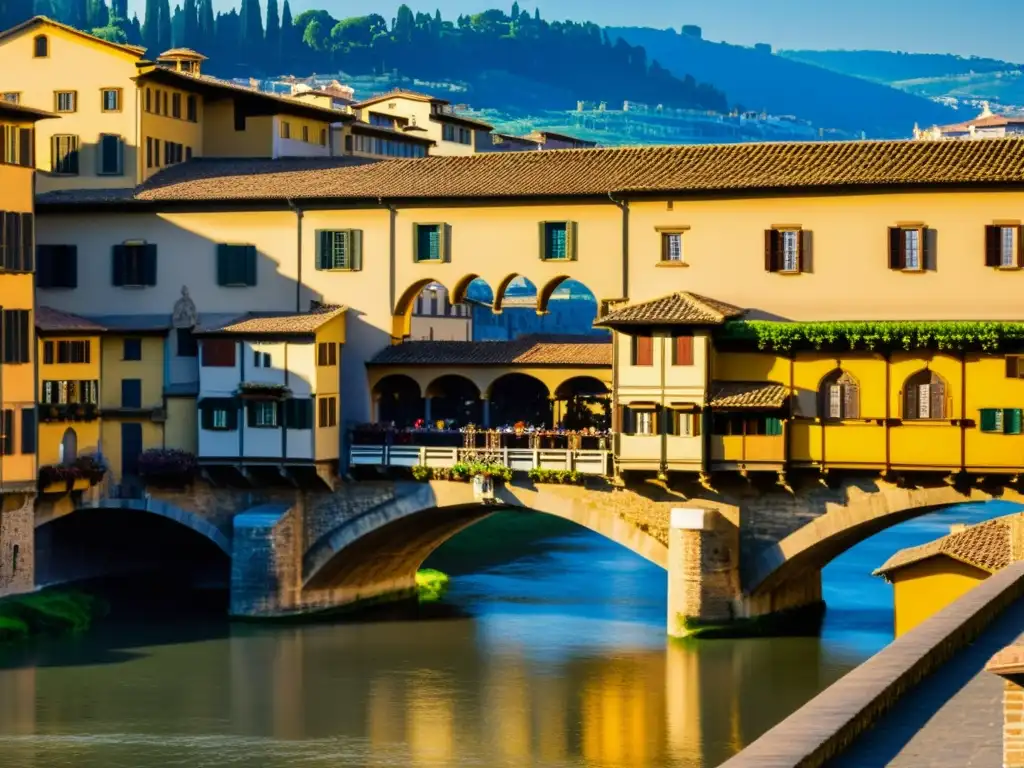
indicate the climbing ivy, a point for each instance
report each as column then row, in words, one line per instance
column 876, row 336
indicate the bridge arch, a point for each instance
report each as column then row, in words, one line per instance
column 846, row 522
column 381, row 549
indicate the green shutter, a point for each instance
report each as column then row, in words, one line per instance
column 250, row 264
column 1012, row 421
column 323, row 248
column 988, row 419
column 355, row 244
column 223, row 264
column 118, row 262
column 543, row 243
column 416, row 242
column 444, row 242
column 570, row 240
column 773, row 426
column 205, row 415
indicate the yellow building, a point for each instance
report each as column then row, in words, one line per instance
column 436, row 119
column 132, row 397
column 125, row 118
column 927, row 578
column 68, row 349
column 793, row 361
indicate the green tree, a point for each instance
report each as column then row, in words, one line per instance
column 113, row 34
column 273, row 36
column 98, row 15
column 163, row 28
column 190, row 25
column 150, row 25
column 207, row 28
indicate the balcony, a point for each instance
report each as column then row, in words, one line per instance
column 749, row 451
column 587, row 462
column 58, row 412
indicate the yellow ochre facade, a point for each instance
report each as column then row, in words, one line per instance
column 125, row 118
column 420, row 115
column 700, row 381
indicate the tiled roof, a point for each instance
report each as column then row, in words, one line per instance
column 257, row 323
column 398, row 93
column 747, row 394
column 620, row 170
column 985, row 546
column 679, row 308
column 526, row 351
column 147, row 323
column 53, row 320
column 18, row 112
column 991, row 121
column 183, row 52
column 133, row 50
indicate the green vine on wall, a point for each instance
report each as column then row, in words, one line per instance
column 876, row 336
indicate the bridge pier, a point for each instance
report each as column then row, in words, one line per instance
column 17, row 543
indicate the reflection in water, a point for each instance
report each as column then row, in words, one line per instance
column 564, row 663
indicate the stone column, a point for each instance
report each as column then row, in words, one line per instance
column 428, row 420
column 486, row 411
column 702, row 578
column 1009, row 664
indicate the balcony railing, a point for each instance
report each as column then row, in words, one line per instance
column 588, row 462
column 749, row 449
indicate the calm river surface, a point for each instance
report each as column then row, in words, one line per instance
column 560, row 659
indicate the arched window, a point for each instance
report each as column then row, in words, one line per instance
column 924, row 396
column 40, row 47
column 839, row 396
column 68, row 446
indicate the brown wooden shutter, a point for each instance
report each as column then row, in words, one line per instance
column 992, row 235
column 806, row 252
column 1012, row 367
column 910, row 402
column 929, row 248
column 897, row 252
column 937, row 390
column 664, row 246
column 644, row 354
column 851, row 402
column 683, row 350
column 771, row 250
column 1020, row 246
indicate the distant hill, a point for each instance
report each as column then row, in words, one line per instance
column 892, row 67
column 759, row 80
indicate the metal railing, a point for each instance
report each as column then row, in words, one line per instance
column 588, row 462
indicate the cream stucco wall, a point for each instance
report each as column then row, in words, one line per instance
column 85, row 66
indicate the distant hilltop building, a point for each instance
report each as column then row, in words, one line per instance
column 987, row 125
column 692, row 30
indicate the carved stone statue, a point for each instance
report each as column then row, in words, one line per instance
column 185, row 315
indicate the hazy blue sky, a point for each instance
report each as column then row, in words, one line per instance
column 980, row 27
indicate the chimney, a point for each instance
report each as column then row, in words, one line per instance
column 1009, row 665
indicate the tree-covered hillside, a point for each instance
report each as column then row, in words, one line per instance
column 895, row 66
column 578, row 57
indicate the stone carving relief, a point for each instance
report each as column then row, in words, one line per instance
column 184, row 315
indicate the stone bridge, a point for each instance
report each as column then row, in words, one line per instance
column 738, row 552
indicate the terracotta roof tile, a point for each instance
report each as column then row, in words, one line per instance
column 620, row 170
column 985, row 546
column 747, row 394
column 53, row 320
column 680, row 308
column 527, row 351
column 257, row 323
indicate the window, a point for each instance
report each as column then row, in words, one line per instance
column 188, row 153
column 911, row 248
column 785, row 250
column 191, row 109
column 111, row 156
column 176, row 105
column 173, row 152
column 686, row 423
column 239, row 117
column 260, row 359
column 17, row 332
column 156, row 153
column 339, row 249
column 68, row 352
column 672, row 247
column 40, row 47
column 64, row 155
column 682, row 349
column 348, row 145
column 149, row 100
column 263, row 413
column 739, row 424
column 65, row 101
column 17, row 146
column 218, row 353
column 131, row 349
column 187, row 346
column 57, row 266
column 28, row 430
column 1015, row 366
column 643, row 350
column 430, row 243
column 149, row 151
column 323, row 137
column 110, row 100
column 328, row 412
column 71, row 392
column 1004, row 246
column 1002, row 420
column 131, row 393
column 163, row 96
column 924, row 396
column 11, row 97
column 218, row 413
column 557, row 240
column 134, row 265
column 286, row 129
column 456, row 134
column 236, row 265
column 305, row 133
column 839, row 396
column 6, row 432
column 298, row 413
column 17, row 233
column 641, row 422
column 326, row 353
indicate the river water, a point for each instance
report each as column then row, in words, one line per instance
column 550, row 651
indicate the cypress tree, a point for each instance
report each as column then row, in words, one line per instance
column 207, row 29
column 273, row 35
column 150, row 24
column 163, row 34
column 287, row 34
column 190, row 25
